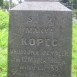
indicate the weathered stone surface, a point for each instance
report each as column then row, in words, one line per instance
column 40, row 40
column 41, row 6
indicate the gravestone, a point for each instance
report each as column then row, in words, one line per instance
column 40, row 35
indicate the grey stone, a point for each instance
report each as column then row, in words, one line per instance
column 40, row 36
column 41, row 6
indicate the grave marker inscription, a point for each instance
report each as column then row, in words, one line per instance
column 40, row 40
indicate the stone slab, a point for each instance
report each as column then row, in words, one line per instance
column 41, row 6
column 39, row 42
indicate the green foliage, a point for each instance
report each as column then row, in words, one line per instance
column 3, row 20
column 1, row 2
column 8, row 4
column 75, row 13
column 3, row 62
column 3, row 42
column 70, row 3
column 3, row 29
column 74, row 49
column 75, row 4
column 3, row 38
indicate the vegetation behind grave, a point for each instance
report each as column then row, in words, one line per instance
column 4, row 16
column 3, row 42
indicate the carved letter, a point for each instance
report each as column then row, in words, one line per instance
column 32, row 41
column 54, row 43
column 47, row 42
column 23, row 41
column 39, row 41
